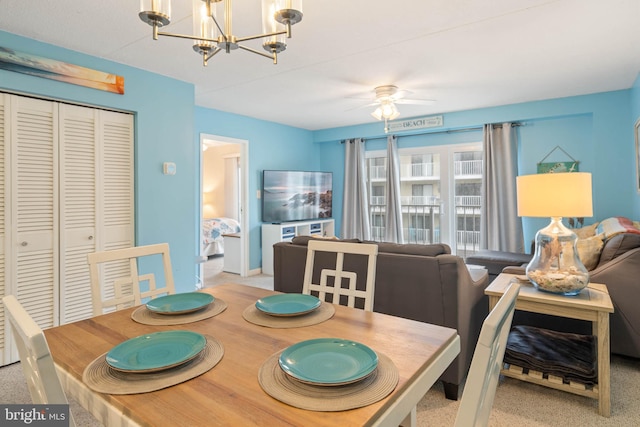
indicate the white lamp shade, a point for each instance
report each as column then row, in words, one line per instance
column 555, row 195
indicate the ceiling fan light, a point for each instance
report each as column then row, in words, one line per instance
column 394, row 114
column 386, row 110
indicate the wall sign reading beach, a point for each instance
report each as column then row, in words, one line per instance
column 25, row 63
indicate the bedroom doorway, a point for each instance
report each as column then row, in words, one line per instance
column 223, row 198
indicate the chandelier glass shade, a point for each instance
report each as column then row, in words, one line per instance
column 212, row 25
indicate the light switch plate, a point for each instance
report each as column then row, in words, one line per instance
column 169, row 168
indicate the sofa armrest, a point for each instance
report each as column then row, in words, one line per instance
column 517, row 270
column 496, row 261
column 465, row 307
column 621, row 277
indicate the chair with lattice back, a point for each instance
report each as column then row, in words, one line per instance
column 339, row 274
column 125, row 289
column 35, row 357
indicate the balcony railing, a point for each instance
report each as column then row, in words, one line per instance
column 469, row 201
column 419, row 170
column 467, row 168
column 468, row 232
column 420, row 200
column 421, row 221
column 378, row 200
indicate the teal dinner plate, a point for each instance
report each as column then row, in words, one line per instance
column 180, row 303
column 288, row 304
column 156, row 352
column 328, row 361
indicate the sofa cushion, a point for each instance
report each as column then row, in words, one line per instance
column 304, row 240
column 393, row 248
column 412, row 248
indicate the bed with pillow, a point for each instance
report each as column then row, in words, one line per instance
column 213, row 230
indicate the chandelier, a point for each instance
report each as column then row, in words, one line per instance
column 210, row 37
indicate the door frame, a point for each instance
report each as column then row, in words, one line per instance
column 244, row 198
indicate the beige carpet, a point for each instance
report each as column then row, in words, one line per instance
column 516, row 403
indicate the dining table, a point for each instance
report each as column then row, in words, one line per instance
column 230, row 393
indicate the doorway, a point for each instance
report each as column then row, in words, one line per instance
column 222, row 204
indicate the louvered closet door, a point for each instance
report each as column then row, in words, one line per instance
column 4, row 141
column 97, row 200
column 78, row 136
column 115, row 180
column 115, row 185
column 34, row 208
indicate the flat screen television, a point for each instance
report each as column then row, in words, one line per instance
column 296, row 195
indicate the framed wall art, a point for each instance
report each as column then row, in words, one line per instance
column 561, row 166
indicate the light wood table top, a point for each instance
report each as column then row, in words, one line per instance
column 229, row 394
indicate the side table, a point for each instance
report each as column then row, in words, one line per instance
column 592, row 304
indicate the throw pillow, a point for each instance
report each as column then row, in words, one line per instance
column 589, row 250
column 586, row 231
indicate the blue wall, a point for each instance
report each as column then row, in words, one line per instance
column 163, row 108
column 594, row 129
column 271, row 146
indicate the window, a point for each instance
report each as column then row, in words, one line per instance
column 440, row 195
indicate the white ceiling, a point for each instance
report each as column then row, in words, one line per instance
column 463, row 54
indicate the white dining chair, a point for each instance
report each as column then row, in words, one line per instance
column 35, row 357
column 120, row 286
column 484, row 373
column 335, row 287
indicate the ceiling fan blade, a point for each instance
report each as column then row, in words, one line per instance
column 362, row 106
column 415, row 101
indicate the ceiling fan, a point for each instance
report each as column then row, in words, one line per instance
column 386, row 98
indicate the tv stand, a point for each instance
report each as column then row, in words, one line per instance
column 286, row 231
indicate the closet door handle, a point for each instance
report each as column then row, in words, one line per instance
column 23, row 244
column 90, row 237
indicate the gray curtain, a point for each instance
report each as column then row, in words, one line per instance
column 501, row 229
column 355, row 201
column 393, row 219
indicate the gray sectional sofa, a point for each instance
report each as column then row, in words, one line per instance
column 419, row 282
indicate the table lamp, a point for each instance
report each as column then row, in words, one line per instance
column 556, row 266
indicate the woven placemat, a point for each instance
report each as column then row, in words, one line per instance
column 282, row 387
column 147, row 317
column 324, row 312
column 100, row 377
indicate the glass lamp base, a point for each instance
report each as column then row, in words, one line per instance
column 556, row 267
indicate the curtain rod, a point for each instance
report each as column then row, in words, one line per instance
column 469, row 129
